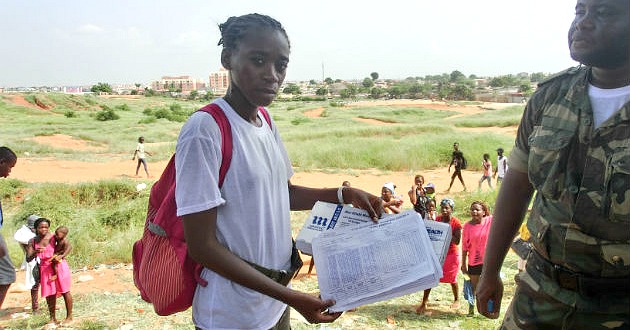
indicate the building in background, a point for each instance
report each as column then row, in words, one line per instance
column 180, row 84
column 219, row 81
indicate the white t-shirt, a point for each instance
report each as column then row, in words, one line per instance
column 605, row 102
column 140, row 150
column 253, row 212
column 501, row 166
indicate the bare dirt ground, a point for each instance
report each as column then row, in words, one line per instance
column 119, row 278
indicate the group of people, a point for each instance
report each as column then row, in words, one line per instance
column 472, row 236
column 45, row 256
column 572, row 148
column 459, row 162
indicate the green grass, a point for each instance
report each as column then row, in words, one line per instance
column 106, row 217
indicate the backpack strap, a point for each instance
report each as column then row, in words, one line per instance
column 226, row 138
column 265, row 115
column 226, row 135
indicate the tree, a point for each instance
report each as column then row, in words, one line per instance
column 376, row 92
column 537, row 77
column 312, row 82
column 101, row 88
column 457, row 76
column 322, row 91
column 526, row 89
column 374, row 75
column 328, row 81
column 193, row 95
column 367, row 83
column 292, row 89
column 461, row 92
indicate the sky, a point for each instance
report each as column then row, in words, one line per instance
column 54, row 43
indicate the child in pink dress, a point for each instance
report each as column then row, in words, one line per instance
column 452, row 261
column 475, row 235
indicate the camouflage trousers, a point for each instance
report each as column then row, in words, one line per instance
column 540, row 303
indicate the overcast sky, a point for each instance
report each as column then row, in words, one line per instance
column 84, row 42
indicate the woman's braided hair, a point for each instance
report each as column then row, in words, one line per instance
column 235, row 28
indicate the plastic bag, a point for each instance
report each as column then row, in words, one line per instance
column 469, row 295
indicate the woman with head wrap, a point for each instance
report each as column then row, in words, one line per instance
column 391, row 203
column 452, row 262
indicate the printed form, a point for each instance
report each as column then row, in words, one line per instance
column 371, row 262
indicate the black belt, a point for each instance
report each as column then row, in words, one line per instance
column 585, row 285
column 281, row 276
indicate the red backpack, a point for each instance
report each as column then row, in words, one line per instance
column 163, row 271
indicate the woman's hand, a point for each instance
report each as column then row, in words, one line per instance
column 364, row 200
column 312, row 308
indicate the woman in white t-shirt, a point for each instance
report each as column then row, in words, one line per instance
column 247, row 220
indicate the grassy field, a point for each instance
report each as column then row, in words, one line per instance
column 108, row 216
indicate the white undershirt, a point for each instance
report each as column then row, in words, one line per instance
column 606, row 102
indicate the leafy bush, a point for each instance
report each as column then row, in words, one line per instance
column 105, row 115
column 123, row 107
column 174, row 112
column 70, row 114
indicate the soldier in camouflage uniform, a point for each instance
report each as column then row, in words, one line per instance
column 574, row 150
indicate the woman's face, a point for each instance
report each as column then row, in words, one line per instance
column 42, row 228
column 476, row 212
column 258, row 65
column 386, row 194
column 419, row 181
column 446, row 210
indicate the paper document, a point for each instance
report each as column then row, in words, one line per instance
column 440, row 234
column 326, row 216
column 369, row 262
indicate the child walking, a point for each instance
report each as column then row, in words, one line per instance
column 62, row 249
column 475, row 235
column 452, row 262
column 487, row 171
column 140, row 153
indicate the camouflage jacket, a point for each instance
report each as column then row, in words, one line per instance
column 581, row 213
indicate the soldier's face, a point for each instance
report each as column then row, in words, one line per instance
column 600, row 33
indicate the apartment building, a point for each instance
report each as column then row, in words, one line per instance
column 185, row 84
column 219, row 81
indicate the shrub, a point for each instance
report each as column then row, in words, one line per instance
column 70, row 114
column 105, row 115
column 123, row 107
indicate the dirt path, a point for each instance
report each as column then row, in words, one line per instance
column 66, row 171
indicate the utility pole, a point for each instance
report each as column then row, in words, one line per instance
column 323, row 72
